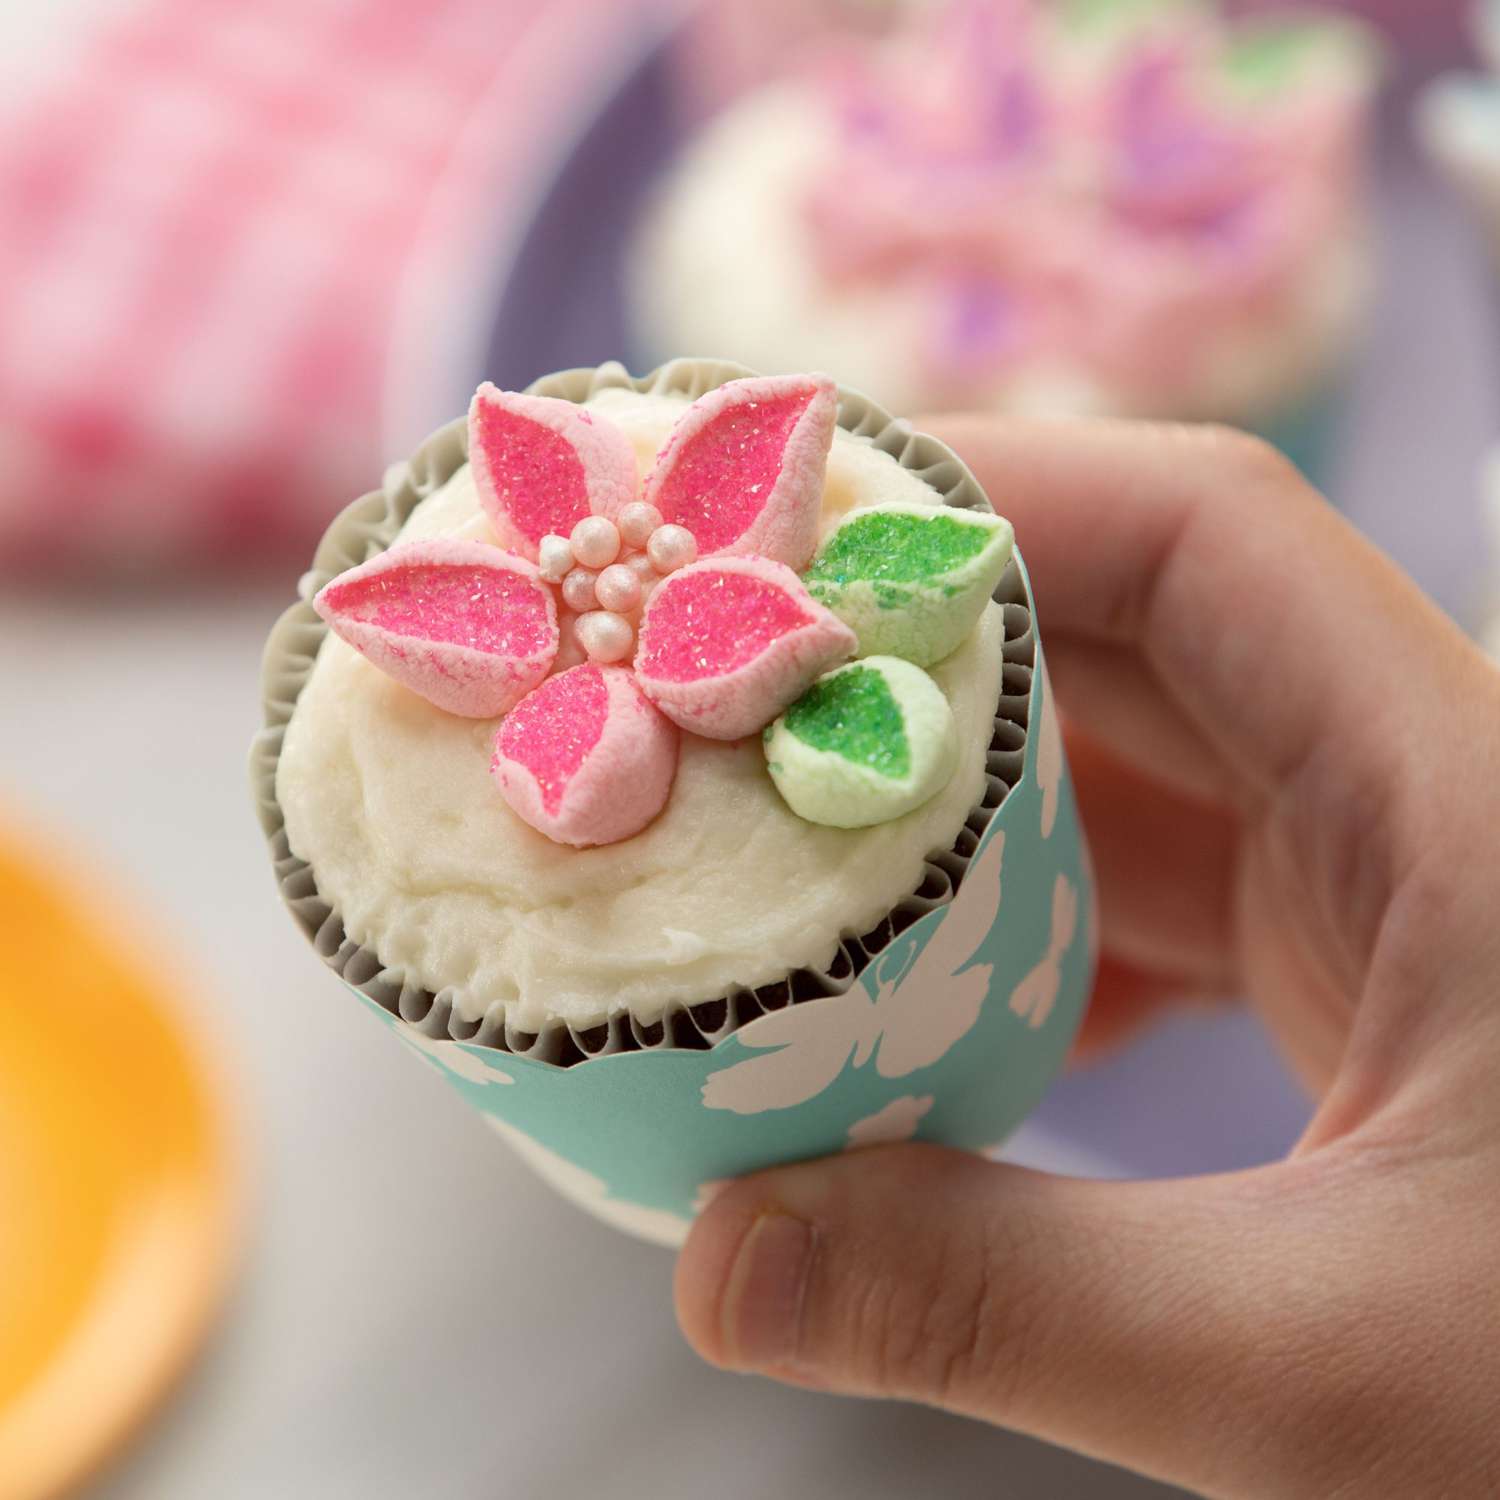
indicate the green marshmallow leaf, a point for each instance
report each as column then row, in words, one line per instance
column 910, row 580
column 865, row 743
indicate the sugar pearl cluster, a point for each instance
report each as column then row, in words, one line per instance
column 607, row 569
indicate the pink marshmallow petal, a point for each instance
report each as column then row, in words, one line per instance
column 469, row 627
column 542, row 465
column 726, row 644
column 743, row 468
column 586, row 759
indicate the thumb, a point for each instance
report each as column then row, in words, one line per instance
column 1146, row 1323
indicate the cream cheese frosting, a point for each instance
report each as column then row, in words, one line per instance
column 391, row 803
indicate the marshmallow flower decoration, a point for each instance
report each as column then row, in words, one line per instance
column 700, row 566
column 585, row 758
column 866, row 743
column 470, row 628
column 907, row 582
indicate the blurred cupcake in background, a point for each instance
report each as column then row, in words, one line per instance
column 1086, row 207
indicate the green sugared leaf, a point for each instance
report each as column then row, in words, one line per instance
column 910, row 580
column 854, row 714
column 896, row 547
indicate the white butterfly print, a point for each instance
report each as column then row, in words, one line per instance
column 1036, row 994
column 921, row 1007
column 898, row 1121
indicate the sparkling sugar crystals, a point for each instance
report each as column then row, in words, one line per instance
column 586, row 759
column 729, row 642
column 864, row 744
column 468, row 627
column 541, row 466
column 910, row 580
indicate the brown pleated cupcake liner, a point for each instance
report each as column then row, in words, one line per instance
column 370, row 525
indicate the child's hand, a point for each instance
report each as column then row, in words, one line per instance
column 1289, row 764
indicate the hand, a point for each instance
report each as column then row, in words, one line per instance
column 1289, row 766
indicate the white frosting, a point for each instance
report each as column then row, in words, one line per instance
column 722, row 267
column 392, row 804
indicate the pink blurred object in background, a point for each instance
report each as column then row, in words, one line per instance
column 205, row 217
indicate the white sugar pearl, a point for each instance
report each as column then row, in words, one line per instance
column 618, row 588
column 605, row 636
column 596, row 541
column 670, row 548
column 637, row 521
column 578, row 589
column 554, row 558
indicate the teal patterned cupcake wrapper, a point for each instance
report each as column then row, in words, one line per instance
column 945, row 1022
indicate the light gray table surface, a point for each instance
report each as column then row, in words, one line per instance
column 416, row 1314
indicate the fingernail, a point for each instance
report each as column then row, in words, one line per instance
column 765, row 1293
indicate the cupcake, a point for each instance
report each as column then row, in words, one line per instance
column 670, row 816
column 1135, row 210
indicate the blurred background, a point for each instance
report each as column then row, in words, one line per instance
column 252, row 251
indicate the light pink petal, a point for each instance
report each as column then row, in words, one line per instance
column 727, row 644
column 743, row 468
column 586, row 759
column 542, row 465
column 469, row 627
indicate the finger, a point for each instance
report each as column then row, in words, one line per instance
column 1150, row 1323
column 1112, row 693
column 1208, row 554
column 1205, row 552
column 1165, row 869
column 1307, row 662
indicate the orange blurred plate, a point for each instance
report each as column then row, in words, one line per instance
column 116, row 1194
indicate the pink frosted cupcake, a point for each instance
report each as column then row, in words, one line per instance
column 1133, row 209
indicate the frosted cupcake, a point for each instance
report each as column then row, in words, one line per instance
column 1132, row 209
column 646, row 753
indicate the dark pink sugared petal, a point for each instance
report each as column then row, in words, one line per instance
column 586, row 759
column 542, row 465
column 728, row 643
column 743, row 468
column 469, row 627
